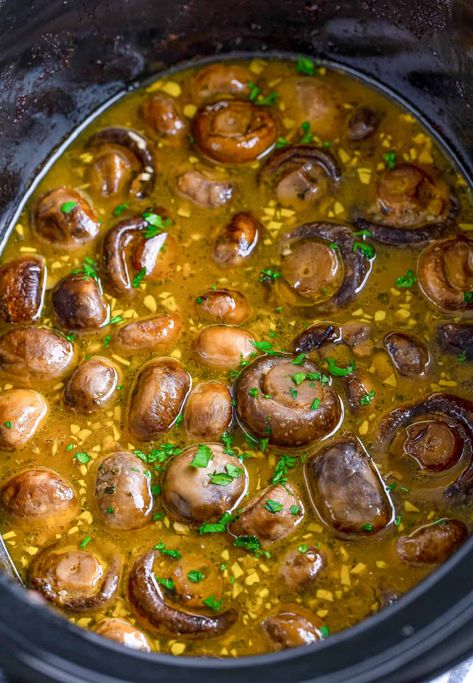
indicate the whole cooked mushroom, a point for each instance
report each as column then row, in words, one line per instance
column 92, row 385
column 204, row 189
column 64, row 219
column 121, row 631
column 223, row 346
column 162, row 116
column 223, row 306
column 220, row 79
column 22, row 286
column 410, row 355
column 208, row 412
column 315, row 101
column 158, row 333
column 433, row 543
column 237, row 240
column 292, row 626
column 234, row 131
column 78, row 303
column 456, row 338
column 21, row 413
column 288, row 404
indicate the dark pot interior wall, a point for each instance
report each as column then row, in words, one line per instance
column 59, row 59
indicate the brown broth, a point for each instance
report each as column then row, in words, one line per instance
column 360, row 570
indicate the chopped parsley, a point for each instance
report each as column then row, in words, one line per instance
column 337, row 371
column 156, row 224
column 315, row 405
column 363, row 233
column 106, row 340
column 268, row 276
column 217, row 527
column 199, row 300
column 115, row 320
column 324, row 631
column 367, row 250
column 468, row 297
column 298, row 378
column 390, row 159
column 293, row 393
column 273, row 506
column 8, row 424
column 213, row 603
column 110, row 510
column 70, row 337
column 407, row 280
column 284, row 464
column 226, row 478
column 85, row 542
column 307, row 134
column 158, row 455
column 140, row 275
column 367, row 527
column 397, row 521
column 82, row 457
column 300, row 359
column 167, row 583
column 161, row 546
column 88, row 270
column 70, row 446
column 250, row 543
column 295, row 510
column 227, row 440
column 156, row 489
column 281, row 142
column 253, row 392
column 266, row 347
column 195, row 576
column 367, row 398
column 305, row 65
column 303, row 548
column 118, row 210
column 67, row 207
column 461, row 358
column 202, row 456
column 256, row 96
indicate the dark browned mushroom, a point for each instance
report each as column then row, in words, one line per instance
column 78, row 303
column 21, row 413
column 409, row 354
column 234, row 131
column 112, row 171
column 346, row 488
column 412, row 207
column 220, row 79
column 457, row 338
column 323, row 264
column 223, row 346
column 40, row 500
column 121, row 631
column 160, row 113
column 362, row 124
column 301, row 566
column 65, row 220
column 445, row 273
column 22, row 285
column 196, row 579
column 123, row 491
column 208, row 412
column 204, row 189
column 313, row 100
column 91, row 385
column 147, row 597
column 75, row 580
column 270, row 518
column 433, row 543
column 300, row 175
column 440, row 424
column 357, row 335
column 237, row 241
column 202, row 483
column 157, row 397
column 360, row 389
column 30, row 355
column 158, row 333
column 275, row 401
column 134, row 144
column 315, row 336
column 129, row 250
column 292, row 626
column 223, row 306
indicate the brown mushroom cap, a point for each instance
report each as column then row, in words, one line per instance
column 223, row 346
column 123, row 491
column 124, row 633
column 456, row 338
column 127, row 251
column 223, row 306
column 315, row 101
column 292, row 626
column 346, row 488
column 234, row 131
column 204, row 189
column 188, row 491
column 158, row 333
column 300, row 569
column 22, row 285
column 362, row 124
column 412, row 207
column 445, row 273
column 92, row 385
column 111, row 172
column 30, row 355
column 40, row 499
column 359, row 384
column 21, row 414
column 265, row 519
column 409, row 354
column 148, row 600
column 208, row 412
column 220, row 79
column 75, row 580
column 310, row 411
column 191, row 591
column 65, row 220
column 322, row 265
column 433, row 543
column 300, row 175
column 135, row 145
column 157, row 397
column 237, row 241
column 78, row 303
column 434, row 444
column 160, row 113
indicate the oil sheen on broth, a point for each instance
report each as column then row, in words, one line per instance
column 235, row 362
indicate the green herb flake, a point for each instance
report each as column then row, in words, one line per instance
column 250, row 543
column 273, row 506
column 337, row 371
column 67, row 207
column 367, row 250
column 295, row 510
column 167, row 583
column 367, row 527
column 85, row 542
column 226, row 478
column 333, row 245
column 407, row 280
column 139, row 277
column 284, row 464
column 70, row 337
column 468, row 297
column 307, row 135
column 281, row 142
column 367, row 398
column 390, row 159
column 315, row 405
column 227, row 440
column 110, row 510
column 306, row 66
column 397, row 521
column 363, row 233
column 293, row 392
column 70, row 446
column 461, row 357
column 118, row 210
column 266, row 347
column 268, row 276
column 8, row 424
column 253, row 392
column 202, row 456
column 106, row 341
column 217, row 527
column 324, row 631
column 199, row 300
column 302, row 548
column 213, row 603
column 392, row 486
column 195, row 576
column 116, row 319
column 156, row 224
column 299, row 360
column 256, row 96
column 156, row 489
column 161, row 546
column 158, row 517
column 298, row 378
column 82, row 457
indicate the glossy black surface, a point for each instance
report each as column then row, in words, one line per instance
column 59, row 61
